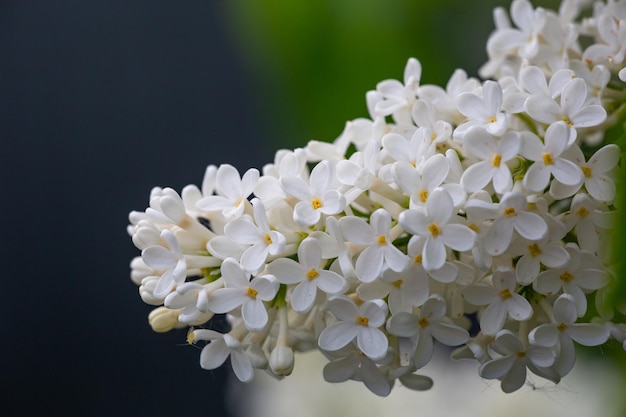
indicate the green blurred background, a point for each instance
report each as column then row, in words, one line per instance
column 313, row 61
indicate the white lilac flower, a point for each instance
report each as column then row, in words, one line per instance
column 398, row 98
column 342, row 252
column 379, row 249
column 286, row 164
column 145, row 233
column 309, row 275
column 613, row 33
column 219, row 348
column 586, row 218
column 508, row 41
column 146, row 291
column 433, row 222
column 533, row 254
column 564, row 331
column 436, row 131
column 361, row 323
column 572, row 108
column 166, row 206
column 547, row 159
column 315, row 198
column 494, row 156
column 596, row 77
column 512, row 359
column 533, row 82
column 262, row 240
column 240, row 291
column 446, row 274
column 360, row 170
column 582, row 273
column 510, row 214
column 596, row 174
column 170, row 260
column 404, row 290
column 233, row 191
column 413, row 151
column 485, row 111
column 193, row 300
column 425, row 328
column 501, row 299
column 419, row 183
column 358, row 367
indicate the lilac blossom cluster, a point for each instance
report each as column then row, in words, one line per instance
column 478, row 216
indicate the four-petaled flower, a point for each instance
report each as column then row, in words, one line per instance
column 360, row 323
column 309, row 275
column 501, row 299
column 239, row 290
column 434, row 222
column 379, row 250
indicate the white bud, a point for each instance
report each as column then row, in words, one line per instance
column 282, row 361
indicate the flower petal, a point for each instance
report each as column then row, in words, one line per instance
column 588, row 334
column 337, row 335
column 242, row 367
column 403, row 324
column 372, row 342
column 254, row 315
column 214, row 354
column 303, row 296
column 449, row 334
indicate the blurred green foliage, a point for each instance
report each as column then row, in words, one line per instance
column 313, row 61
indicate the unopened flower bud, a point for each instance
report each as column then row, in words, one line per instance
column 282, row 361
column 163, row 319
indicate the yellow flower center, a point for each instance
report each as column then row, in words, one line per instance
column 363, row 321
column 582, row 212
column 268, row 239
column 382, row 240
column 423, row 322
column 534, row 250
column 191, row 338
column 423, row 196
column 434, row 230
column 547, row 158
column 251, row 292
column 496, row 160
column 561, row 327
column 568, row 121
column 587, row 171
column 397, row 283
column 312, row 274
column 418, row 259
column 566, row 277
column 316, row 203
column 506, row 294
column 509, row 212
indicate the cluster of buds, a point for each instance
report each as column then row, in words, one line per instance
column 478, row 216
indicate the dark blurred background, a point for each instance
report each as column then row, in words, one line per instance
column 102, row 100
